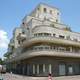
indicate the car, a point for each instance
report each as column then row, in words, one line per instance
column 2, row 69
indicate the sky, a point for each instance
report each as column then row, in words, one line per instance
column 13, row 11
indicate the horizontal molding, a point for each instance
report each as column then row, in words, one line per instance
column 49, row 39
column 35, row 53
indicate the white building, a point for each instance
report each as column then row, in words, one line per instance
column 43, row 45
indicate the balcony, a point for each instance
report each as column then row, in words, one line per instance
column 45, row 52
column 50, row 39
column 21, row 36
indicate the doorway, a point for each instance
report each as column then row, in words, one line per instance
column 62, row 70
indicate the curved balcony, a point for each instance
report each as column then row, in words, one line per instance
column 44, row 52
column 50, row 39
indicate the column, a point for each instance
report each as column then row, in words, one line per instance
column 49, row 68
column 38, row 69
column 24, row 68
column 27, row 69
column 71, row 49
column 44, row 68
column 33, row 69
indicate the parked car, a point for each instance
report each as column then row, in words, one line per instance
column 2, row 68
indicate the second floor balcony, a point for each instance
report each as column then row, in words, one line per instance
column 44, row 51
column 50, row 39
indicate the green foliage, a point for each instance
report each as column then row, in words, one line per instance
column 7, row 55
column 1, row 61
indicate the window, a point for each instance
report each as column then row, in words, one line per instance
column 62, row 69
column 75, row 49
column 18, row 41
column 70, row 70
column 58, row 13
column 40, row 48
column 46, row 47
column 40, row 34
column 75, row 39
column 61, row 48
column 52, row 25
column 56, row 20
column 35, row 34
column 23, row 23
column 41, row 68
column 45, row 18
column 67, row 49
column 50, row 11
column 23, row 40
column 27, row 28
column 23, row 32
column 54, row 35
column 60, row 36
column 47, row 34
column 68, row 37
column 12, row 48
column 45, row 10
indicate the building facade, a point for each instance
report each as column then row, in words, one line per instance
column 43, row 45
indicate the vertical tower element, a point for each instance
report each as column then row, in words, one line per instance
column 45, row 12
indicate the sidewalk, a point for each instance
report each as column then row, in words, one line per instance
column 8, row 76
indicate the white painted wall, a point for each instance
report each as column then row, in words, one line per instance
column 48, row 29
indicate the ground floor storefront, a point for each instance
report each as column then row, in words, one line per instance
column 42, row 66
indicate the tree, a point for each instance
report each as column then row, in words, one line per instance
column 7, row 55
column 1, row 61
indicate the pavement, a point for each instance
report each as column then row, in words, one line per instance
column 9, row 76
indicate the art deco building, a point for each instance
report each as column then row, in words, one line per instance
column 43, row 45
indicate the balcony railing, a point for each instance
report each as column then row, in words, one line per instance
column 51, row 39
column 49, row 48
column 43, row 52
column 54, row 36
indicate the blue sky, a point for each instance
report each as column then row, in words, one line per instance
column 13, row 11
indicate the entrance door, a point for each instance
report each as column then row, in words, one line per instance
column 62, row 70
column 41, row 69
column 46, row 69
column 70, row 70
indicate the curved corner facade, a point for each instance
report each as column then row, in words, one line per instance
column 43, row 45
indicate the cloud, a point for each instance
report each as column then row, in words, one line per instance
column 3, row 39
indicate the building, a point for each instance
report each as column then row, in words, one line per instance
column 43, row 45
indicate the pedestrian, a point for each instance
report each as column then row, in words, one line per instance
column 49, row 76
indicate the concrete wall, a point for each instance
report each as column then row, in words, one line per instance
column 26, row 66
column 52, row 30
column 39, row 13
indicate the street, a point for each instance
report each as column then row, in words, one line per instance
column 8, row 76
